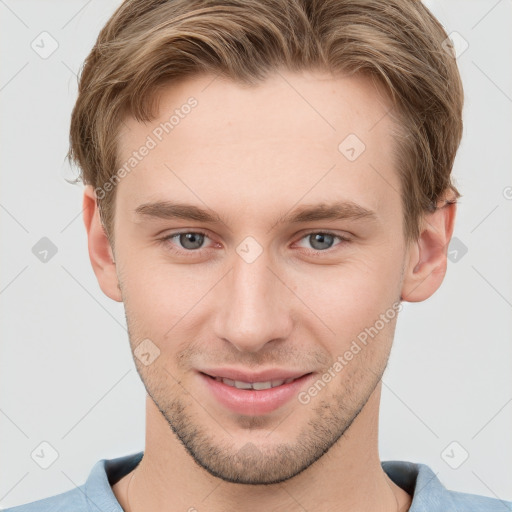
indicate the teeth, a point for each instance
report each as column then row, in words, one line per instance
column 262, row 385
column 254, row 385
column 241, row 385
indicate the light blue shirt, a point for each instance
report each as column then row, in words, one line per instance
column 429, row 495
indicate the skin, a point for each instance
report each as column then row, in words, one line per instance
column 239, row 154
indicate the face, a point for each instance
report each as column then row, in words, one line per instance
column 297, row 266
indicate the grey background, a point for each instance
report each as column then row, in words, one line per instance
column 67, row 377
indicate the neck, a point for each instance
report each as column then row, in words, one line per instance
column 348, row 477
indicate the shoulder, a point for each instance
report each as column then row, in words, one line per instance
column 70, row 500
column 475, row 503
column 95, row 494
column 430, row 495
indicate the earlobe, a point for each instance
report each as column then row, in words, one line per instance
column 100, row 251
column 427, row 257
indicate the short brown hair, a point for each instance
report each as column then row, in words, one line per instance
column 147, row 44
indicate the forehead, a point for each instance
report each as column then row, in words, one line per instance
column 307, row 136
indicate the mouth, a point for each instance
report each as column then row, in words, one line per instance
column 253, row 395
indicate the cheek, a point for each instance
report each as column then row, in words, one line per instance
column 351, row 295
column 160, row 297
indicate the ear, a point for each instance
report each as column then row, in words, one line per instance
column 100, row 252
column 427, row 256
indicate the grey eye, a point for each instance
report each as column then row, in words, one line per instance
column 320, row 241
column 191, row 240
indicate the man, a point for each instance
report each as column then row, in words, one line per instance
column 266, row 182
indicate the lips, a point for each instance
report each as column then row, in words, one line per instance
column 253, row 393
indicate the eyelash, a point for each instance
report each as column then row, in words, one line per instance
column 167, row 239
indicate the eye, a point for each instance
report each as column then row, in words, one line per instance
column 322, row 241
column 186, row 240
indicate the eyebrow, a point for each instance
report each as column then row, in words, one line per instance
column 338, row 210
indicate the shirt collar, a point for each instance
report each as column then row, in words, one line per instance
column 428, row 494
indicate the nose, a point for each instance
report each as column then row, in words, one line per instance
column 255, row 306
